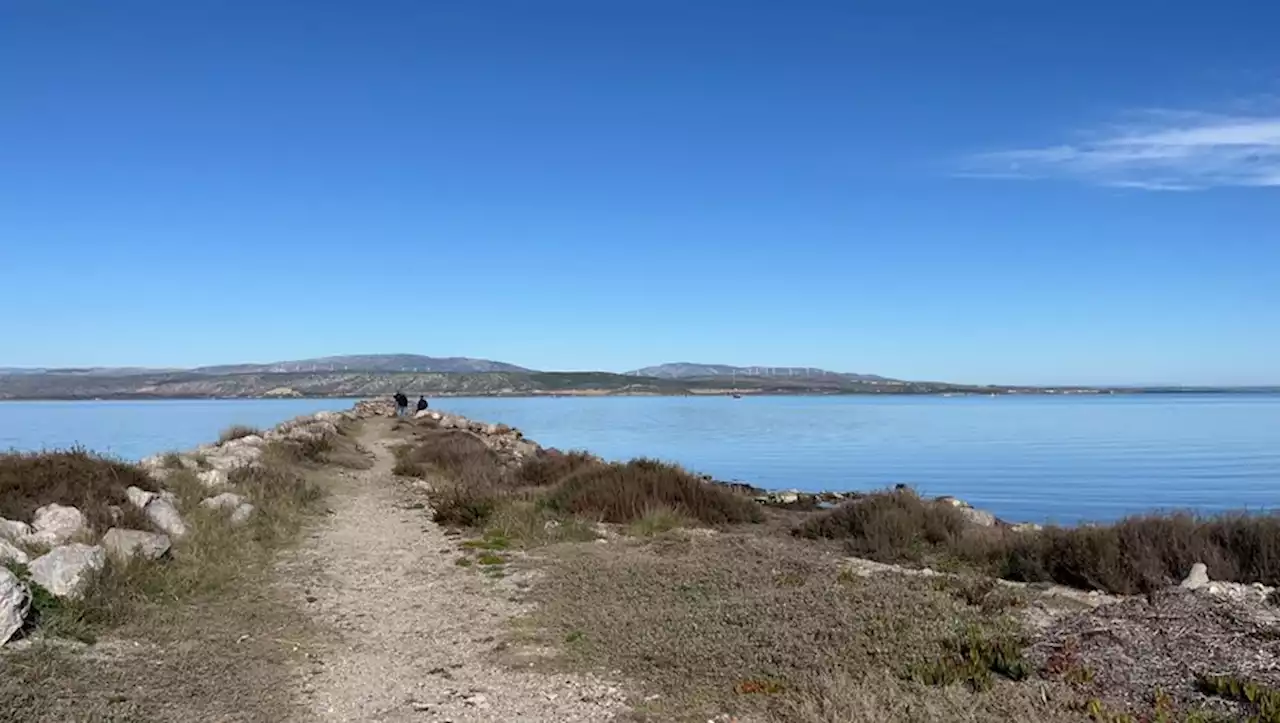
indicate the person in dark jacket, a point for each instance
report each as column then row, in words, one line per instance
column 402, row 404
column 422, row 404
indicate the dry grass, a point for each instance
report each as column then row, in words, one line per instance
column 203, row 621
column 1136, row 555
column 471, row 485
column 91, row 483
column 891, row 526
column 753, row 625
column 238, row 431
column 551, row 467
column 448, row 452
column 622, row 493
column 656, row 521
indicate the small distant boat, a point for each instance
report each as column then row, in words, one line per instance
column 737, row 395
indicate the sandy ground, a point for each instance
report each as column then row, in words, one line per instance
column 406, row 634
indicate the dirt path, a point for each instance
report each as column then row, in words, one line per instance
column 408, row 634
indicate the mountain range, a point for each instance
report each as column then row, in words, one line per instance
column 690, row 370
column 383, row 374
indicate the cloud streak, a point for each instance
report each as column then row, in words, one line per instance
column 1159, row 151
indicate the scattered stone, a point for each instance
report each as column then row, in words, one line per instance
column 164, row 515
column 55, row 524
column 1197, row 578
column 241, row 514
column 213, row 478
column 124, row 545
column 10, row 553
column 1025, row 527
column 64, row 571
column 169, row 497
column 139, row 497
column 224, row 501
column 15, row 603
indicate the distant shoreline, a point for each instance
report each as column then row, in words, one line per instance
column 603, row 393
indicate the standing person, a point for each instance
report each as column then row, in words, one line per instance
column 402, row 404
column 422, row 403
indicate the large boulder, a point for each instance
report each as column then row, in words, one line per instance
column 978, row 517
column 139, row 497
column 231, row 456
column 124, row 545
column 13, row 529
column 1197, row 578
column 15, row 602
column 213, row 478
column 55, row 524
column 164, row 515
column 224, row 501
column 11, row 553
column 65, row 571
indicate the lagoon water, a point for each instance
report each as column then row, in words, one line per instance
column 1035, row 458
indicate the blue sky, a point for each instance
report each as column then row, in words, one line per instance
column 985, row 191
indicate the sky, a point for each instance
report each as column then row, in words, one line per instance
column 993, row 192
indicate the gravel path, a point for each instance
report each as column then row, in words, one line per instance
column 407, row 634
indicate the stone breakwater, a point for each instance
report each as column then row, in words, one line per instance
column 508, row 443
column 61, row 552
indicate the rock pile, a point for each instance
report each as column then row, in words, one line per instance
column 62, row 534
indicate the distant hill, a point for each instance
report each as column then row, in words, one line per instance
column 688, row 370
column 372, row 363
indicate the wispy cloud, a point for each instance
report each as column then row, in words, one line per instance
column 1158, row 151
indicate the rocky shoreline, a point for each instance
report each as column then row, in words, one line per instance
column 60, row 551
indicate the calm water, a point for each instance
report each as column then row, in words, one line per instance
column 134, row 430
column 1026, row 458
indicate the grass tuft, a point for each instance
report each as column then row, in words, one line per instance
column 622, row 493
column 238, row 431
column 89, row 482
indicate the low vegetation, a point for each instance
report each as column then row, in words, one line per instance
column 555, row 495
column 625, row 492
column 1135, row 555
column 186, row 612
column 238, row 431
column 92, row 483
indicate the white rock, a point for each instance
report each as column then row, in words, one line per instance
column 1197, row 578
column 139, row 497
column 169, row 497
column 981, row 518
column 57, row 524
column 164, row 515
column 241, row 514
column 1025, row 527
column 64, row 571
column 787, row 498
column 230, row 459
column 13, row 529
column 423, row 414
column 213, row 478
column 224, row 501
column 124, row 545
column 15, row 602
column 11, row 553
